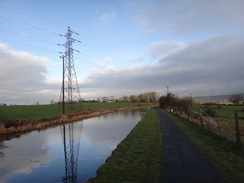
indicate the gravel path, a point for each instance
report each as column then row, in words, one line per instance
column 181, row 161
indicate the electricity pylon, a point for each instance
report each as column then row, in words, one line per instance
column 70, row 92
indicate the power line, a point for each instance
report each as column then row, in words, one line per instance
column 31, row 16
column 102, row 53
column 42, row 29
column 52, row 32
column 29, row 25
column 26, row 45
column 29, row 37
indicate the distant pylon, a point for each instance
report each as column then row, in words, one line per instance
column 70, row 92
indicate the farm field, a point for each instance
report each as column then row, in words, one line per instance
column 224, row 111
column 45, row 111
column 225, row 115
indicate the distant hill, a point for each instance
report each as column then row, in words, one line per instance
column 217, row 98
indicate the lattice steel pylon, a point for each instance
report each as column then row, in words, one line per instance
column 70, row 92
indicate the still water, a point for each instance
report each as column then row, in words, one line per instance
column 70, row 153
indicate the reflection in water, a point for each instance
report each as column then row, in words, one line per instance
column 71, row 142
column 71, row 155
column 22, row 155
column 2, row 146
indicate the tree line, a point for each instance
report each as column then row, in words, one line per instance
column 150, row 97
column 172, row 101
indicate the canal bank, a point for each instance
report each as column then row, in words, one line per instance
column 138, row 157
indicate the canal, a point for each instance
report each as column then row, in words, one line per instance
column 69, row 153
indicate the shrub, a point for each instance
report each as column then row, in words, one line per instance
column 210, row 112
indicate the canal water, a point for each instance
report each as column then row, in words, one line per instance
column 70, row 153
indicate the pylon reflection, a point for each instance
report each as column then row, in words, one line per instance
column 71, row 142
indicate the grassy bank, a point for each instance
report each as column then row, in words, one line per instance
column 45, row 111
column 137, row 157
column 226, row 156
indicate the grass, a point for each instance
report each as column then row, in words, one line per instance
column 226, row 156
column 224, row 111
column 45, row 111
column 29, row 112
column 225, row 115
column 137, row 157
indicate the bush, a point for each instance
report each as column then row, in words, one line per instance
column 210, row 112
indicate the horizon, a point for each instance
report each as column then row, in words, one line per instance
column 200, row 98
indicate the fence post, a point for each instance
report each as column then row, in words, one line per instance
column 201, row 122
column 238, row 136
column 188, row 114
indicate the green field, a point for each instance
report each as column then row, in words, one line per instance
column 46, row 111
column 224, row 111
column 137, row 157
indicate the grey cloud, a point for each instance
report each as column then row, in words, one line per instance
column 187, row 17
column 162, row 48
column 22, row 77
column 214, row 65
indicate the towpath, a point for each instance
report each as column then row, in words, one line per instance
column 181, row 161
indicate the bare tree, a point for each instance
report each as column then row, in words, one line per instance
column 133, row 98
column 125, row 98
column 142, row 98
column 104, row 99
column 153, row 97
column 236, row 99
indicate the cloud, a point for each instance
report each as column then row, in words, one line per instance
column 22, row 76
column 189, row 18
column 19, row 160
column 214, row 65
column 107, row 18
column 163, row 48
column 103, row 62
column 137, row 60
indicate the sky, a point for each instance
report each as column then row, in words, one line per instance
column 127, row 47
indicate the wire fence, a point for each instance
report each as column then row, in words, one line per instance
column 232, row 130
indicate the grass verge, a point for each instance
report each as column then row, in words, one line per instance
column 137, row 157
column 226, row 156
